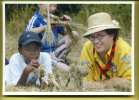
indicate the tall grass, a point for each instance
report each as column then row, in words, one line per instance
column 14, row 27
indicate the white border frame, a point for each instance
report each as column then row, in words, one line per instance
column 70, row 2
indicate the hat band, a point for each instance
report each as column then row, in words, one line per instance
column 102, row 26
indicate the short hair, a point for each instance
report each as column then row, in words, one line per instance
column 114, row 32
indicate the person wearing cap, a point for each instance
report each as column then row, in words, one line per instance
column 105, row 56
column 22, row 65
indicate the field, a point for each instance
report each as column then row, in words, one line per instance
column 17, row 20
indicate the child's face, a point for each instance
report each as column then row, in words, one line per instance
column 43, row 8
column 52, row 8
column 30, row 52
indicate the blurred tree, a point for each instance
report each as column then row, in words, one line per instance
column 15, row 9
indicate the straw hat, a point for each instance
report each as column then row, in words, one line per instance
column 100, row 21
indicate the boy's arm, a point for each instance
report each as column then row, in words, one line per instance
column 38, row 29
column 29, row 68
column 24, row 75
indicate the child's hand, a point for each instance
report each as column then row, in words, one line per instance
column 34, row 63
column 65, row 18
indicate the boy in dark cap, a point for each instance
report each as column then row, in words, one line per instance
column 22, row 65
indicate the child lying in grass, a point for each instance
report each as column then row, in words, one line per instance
column 24, row 67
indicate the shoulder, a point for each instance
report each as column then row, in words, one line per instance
column 36, row 16
column 87, row 54
column 123, row 51
column 123, row 46
column 88, row 45
column 45, row 59
column 36, row 13
column 45, row 55
column 87, row 48
column 16, row 56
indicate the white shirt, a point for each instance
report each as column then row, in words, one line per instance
column 15, row 68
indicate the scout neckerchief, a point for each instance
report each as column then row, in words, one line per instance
column 108, row 64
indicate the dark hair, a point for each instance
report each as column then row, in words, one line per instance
column 114, row 32
column 19, row 45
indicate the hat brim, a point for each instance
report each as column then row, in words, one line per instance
column 97, row 29
column 32, row 41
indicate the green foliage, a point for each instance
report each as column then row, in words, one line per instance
column 16, row 21
column 17, row 17
column 120, row 12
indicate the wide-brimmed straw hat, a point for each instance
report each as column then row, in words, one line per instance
column 100, row 21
